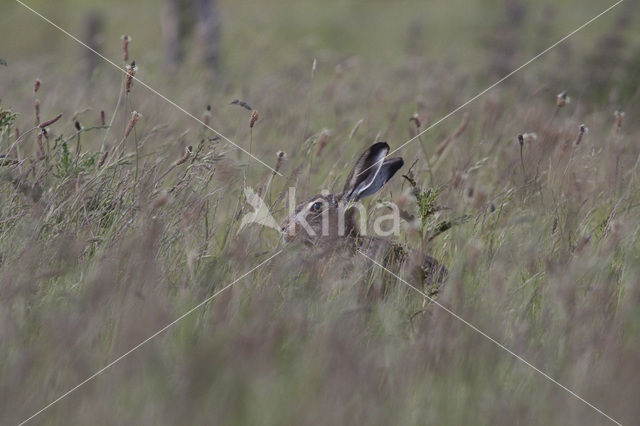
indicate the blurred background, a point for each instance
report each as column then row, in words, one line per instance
column 239, row 40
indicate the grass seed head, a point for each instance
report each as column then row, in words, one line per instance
column 206, row 118
column 131, row 72
column 185, row 156
column 135, row 116
column 243, row 104
column 125, row 47
column 529, row 137
column 36, row 107
column 253, row 119
column 583, row 130
column 103, row 158
column 36, row 85
column 281, row 156
column 41, row 154
column 562, row 99
column 415, row 118
column 50, row 122
column 619, row 117
column 102, row 118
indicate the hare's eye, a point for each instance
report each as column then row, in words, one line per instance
column 317, row 206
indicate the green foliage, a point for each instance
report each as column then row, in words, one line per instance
column 7, row 117
column 67, row 165
column 64, row 167
column 426, row 200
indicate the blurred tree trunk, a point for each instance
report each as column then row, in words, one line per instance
column 506, row 40
column 209, row 32
column 180, row 17
column 93, row 28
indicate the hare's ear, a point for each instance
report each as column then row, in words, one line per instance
column 370, row 172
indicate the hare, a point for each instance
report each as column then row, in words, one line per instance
column 329, row 220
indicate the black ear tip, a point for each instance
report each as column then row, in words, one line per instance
column 379, row 145
column 397, row 163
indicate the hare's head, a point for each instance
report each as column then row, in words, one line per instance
column 332, row 215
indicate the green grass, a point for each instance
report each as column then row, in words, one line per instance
column 95, row 260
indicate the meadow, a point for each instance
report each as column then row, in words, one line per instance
column 123, row 214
